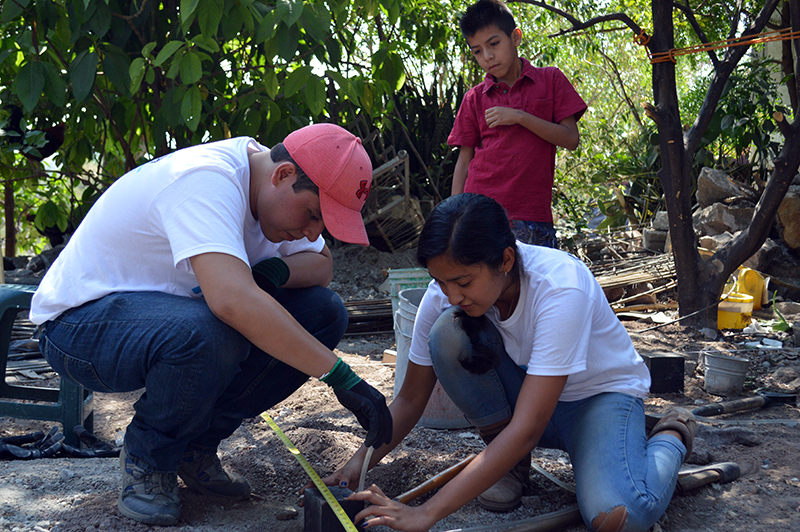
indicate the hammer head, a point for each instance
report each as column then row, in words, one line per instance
column 318, row 515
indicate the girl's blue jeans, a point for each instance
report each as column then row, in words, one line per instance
column 613, row 460
column 201, row 377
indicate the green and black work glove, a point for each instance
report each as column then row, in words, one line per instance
column 367, row 403
column 271, row 274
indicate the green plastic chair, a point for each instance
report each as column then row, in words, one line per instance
column 69, row 405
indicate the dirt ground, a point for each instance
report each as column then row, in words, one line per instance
column 79, row 495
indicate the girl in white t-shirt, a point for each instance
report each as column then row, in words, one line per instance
column 524, row 342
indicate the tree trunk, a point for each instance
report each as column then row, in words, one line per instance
column 11, row 227
column 676, row 168
column 700, row 282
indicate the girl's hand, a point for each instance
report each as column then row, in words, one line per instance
column 385, row 511
column 346, row 477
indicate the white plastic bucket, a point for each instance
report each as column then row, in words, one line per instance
column 404, row 278
column 440, row 413
column 725, row 374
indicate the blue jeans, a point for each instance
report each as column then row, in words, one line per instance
column 613, row 460
column 201, row 377
column 537, row 233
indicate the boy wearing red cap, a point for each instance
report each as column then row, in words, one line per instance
column 200, row 277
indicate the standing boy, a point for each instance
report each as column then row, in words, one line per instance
column 155, row 290
column 508, row 127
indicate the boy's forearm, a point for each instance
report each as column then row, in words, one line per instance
column 309, row 269
column 563, row 134
column 232, row 295
column 465, row 155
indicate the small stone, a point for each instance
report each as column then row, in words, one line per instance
column 67, row 474
column 765, row 464
column 287, row 515
column 531, row 501
column 709, row 333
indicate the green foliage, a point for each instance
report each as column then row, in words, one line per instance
column 781, row 324
column 132, row 80
column 613, row 171
column 740, row 137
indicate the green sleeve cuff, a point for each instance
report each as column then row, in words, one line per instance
column 274, row 270
column 341, row 376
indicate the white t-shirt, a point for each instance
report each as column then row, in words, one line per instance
column 562, row 325
column 142, row 231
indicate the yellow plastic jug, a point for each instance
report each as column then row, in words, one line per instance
column 751, row 282
column 735, row 312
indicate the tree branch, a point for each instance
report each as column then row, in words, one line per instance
column 577, row 25
column 722, row 73
column 794, row 18
column 624, row 93
column 689, row 14
column 753, row 236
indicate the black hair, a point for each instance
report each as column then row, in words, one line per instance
column 484, row 13
column 470, row 229
column 278, row 153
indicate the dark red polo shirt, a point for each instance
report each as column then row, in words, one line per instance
column 511, row 164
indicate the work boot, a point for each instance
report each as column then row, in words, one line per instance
column 150, row 497
column 506, row 493
column 204, row 473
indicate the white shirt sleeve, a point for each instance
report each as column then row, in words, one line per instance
column 430, row 308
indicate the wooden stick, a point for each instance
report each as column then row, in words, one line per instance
column 436, row 481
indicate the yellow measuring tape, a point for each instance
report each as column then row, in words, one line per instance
column 338, row 511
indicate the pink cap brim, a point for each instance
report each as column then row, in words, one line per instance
column 344, row 224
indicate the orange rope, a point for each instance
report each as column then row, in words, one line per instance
column 642, row 39
column 779, row 35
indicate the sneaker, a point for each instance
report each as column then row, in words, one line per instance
column 148, row 497
column 204, row 473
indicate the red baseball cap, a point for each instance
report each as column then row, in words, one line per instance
column 338, row 164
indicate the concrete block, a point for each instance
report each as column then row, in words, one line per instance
column 318, row 515
column 666, row 372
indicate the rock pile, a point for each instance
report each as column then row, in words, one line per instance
column 725, row 208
